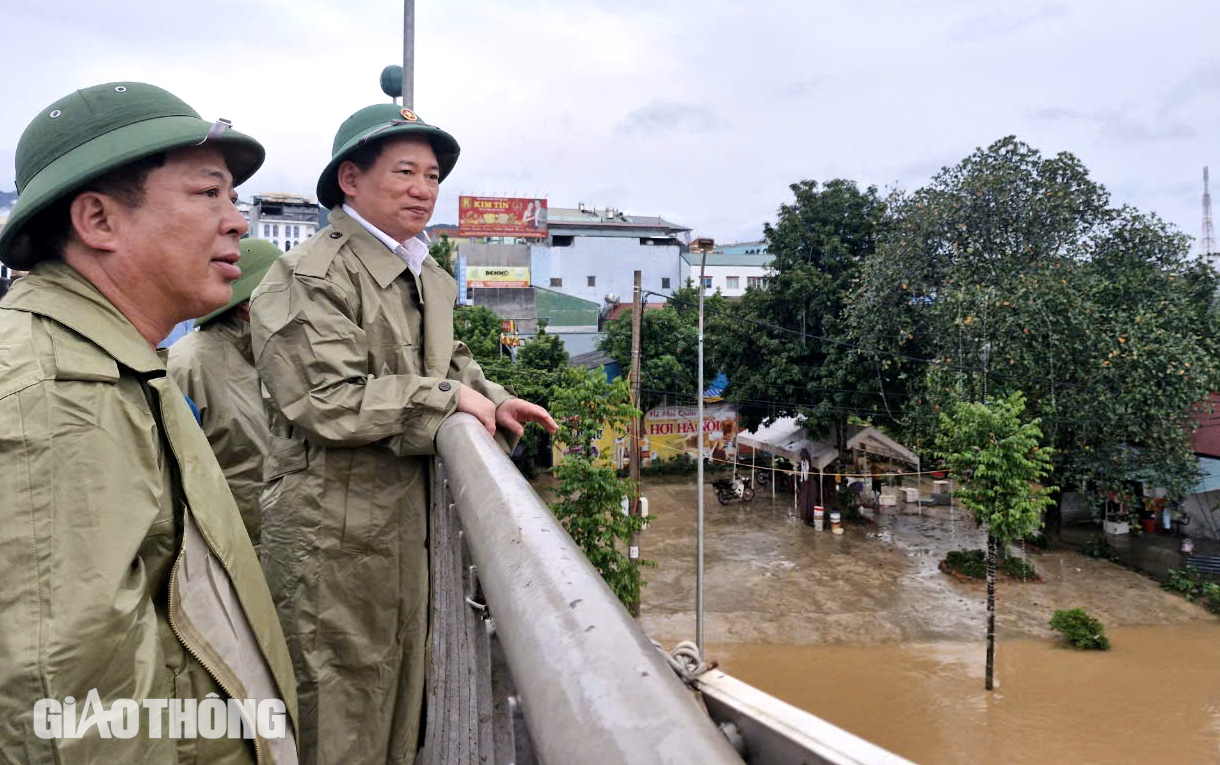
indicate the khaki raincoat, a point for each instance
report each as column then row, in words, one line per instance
column 215, row 367
column 124, row 563
column 358, row 357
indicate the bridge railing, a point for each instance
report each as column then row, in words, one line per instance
column 535, row 660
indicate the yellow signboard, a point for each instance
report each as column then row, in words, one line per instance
column 497, row 276
column 670, row 431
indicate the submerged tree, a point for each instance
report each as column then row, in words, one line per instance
column 589, row 491
column 999, row 464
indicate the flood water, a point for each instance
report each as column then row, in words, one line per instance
column 864, row 631
column 1153, row 699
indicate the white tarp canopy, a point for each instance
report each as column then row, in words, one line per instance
column 786, row 438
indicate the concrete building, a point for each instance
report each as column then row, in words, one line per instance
column 285, row 220
column 733, row 268
column 591, row 253
column 577, row 273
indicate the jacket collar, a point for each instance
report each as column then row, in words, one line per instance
column 236, row 332
column 381, row 262
column 58, row 292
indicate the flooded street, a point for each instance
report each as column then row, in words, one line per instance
column 864, row 631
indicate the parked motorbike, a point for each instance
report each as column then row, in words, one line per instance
column 729, row 489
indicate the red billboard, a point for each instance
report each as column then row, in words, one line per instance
column 501, row 216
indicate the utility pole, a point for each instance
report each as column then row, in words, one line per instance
column 408, row 54
column 705, row 246
column 637, row 315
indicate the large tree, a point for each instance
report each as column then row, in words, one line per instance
column 1012, row 271
column 668, row 347
column 787, row 340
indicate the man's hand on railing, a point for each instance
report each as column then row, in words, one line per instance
column 515, row 412
column 472, row 402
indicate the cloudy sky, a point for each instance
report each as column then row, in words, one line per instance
column 700, row 111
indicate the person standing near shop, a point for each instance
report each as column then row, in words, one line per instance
column 214, row 367
column 353, row 340
column 127, row 572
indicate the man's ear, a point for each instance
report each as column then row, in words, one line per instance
column 347, row 175
column 93, row 216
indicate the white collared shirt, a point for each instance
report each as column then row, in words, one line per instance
column 413, row 251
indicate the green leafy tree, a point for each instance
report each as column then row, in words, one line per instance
column 788, row 340
column 669, row 351
column 588, row 490
column 478, row 327
column 999, row 463
column 532, row 377
column 1011, row 271
column 443, row 252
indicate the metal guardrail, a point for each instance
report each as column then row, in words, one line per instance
column 592, row 687
column 535, row 660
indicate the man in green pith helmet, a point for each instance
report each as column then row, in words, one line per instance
column 128, row 576
column 214, row 366
column 353, row 339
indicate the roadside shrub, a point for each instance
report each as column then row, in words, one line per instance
column 1211, row 597
column 1019, row 568
column 679, row 464
column 971, row 563
column 1194, row 586
column 1186, row 582
column 1080, row 629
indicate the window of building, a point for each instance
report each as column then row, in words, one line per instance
column 664, row 282
column 296, row 232
column 756, row 282
column 556, row 282
column 707, row 282
column 275, row 229
column 592, row 281
column 276, row 242
column 266, row 230
column 562, row 241
column 732, row 282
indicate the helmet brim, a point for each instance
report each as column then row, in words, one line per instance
column 108, row 152
column 444, row 146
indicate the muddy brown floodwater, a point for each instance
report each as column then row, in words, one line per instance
column 864, row 631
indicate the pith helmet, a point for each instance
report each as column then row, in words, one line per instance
column 87, row 134
column 376, row 123
column 257, row 257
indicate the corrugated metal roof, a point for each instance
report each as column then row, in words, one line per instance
column 714, row 259
column 566, row 217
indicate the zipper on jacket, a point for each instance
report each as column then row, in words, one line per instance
column 173, row 597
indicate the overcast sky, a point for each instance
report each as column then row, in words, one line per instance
column 700, row 111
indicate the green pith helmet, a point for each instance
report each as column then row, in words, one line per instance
column 378, row 122
column 87, row 134
column 257, row 257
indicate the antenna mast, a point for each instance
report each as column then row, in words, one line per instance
column 1207, row 243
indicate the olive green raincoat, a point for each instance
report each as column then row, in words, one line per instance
column 124, row 563
column 358, row 357
column 215, row 367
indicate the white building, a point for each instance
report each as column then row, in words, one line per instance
column 591, row 253
column 285, row 220
column 731, row 269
